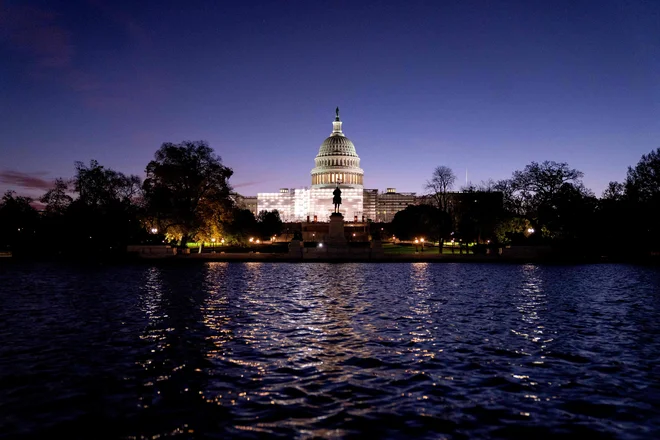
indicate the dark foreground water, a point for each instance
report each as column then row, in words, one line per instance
column 329, row 350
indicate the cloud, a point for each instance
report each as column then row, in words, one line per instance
column 252, row 183
column 33, row 180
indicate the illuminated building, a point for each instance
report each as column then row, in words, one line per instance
column 336, row 164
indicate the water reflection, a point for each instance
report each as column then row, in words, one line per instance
column 530, row 301
column 173, row 365
column 320, row 350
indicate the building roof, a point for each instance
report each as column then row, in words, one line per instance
column 337, row 145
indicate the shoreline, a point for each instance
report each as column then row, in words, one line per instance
column 133, row 258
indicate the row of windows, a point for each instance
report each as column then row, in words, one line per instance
column 337, row 163
column 348, row 178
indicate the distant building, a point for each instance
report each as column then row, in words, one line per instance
column 336, row 165
column 247, row 202
column 391, row 202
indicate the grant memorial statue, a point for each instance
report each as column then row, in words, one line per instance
column 336, row 199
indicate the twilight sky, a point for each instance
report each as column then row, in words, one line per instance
column 487, row 86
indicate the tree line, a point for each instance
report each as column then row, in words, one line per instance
column 185, row 197
column 544, row 204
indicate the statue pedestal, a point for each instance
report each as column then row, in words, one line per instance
column 336, row 231
column 295, row 249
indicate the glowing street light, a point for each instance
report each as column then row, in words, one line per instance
column 251, row 239
column 530, row 230
column 154, row 230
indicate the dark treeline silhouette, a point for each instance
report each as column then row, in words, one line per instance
column 543, row 204
column 185, row 197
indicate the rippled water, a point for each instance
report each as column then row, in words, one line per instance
column 329, row 350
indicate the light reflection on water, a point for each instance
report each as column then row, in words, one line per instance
column 327, row 350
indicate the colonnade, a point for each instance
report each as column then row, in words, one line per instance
column 347, row 178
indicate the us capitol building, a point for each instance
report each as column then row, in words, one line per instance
column 336, row 164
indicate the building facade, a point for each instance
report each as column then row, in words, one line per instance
column 337, row 164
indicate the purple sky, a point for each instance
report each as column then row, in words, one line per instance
column 487, row 86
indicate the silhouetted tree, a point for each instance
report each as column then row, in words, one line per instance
column 106, row 216
column 18, row 222
column 57, row 199
column 440, row 185
column 420, row 221
column 187, row 191
column 99, row 186
column 242, row 226
column 439, row 189
column 615, row 191
column 642, row 194
column 269, row 224
column 512, row 230
column 539, row 193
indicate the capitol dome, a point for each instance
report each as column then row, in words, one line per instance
column 337, row 162
column 337, row 145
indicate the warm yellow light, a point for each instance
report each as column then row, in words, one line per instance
column 422, row 240
column 416, row 241
column 251, row 239
column 213, row 240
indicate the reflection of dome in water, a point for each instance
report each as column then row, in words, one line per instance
column 337, row 161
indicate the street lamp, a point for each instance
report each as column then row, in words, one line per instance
column 213, row 241
column 530, row 230
column 154, row 230
column 422, row 240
